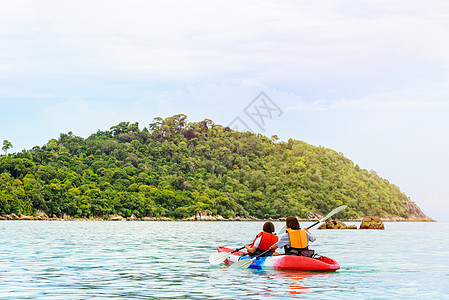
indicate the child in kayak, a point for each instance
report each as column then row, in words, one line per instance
column 295, row 240
column 263, row 241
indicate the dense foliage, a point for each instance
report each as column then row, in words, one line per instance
column 175, row 169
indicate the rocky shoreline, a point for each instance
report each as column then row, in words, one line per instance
column 368, row 222
column 42, row 216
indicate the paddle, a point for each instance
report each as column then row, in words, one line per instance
column 219, row 257
column 338, row 209
column 282, row 230
column 245, row 263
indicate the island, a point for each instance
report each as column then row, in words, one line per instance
column 175, row 169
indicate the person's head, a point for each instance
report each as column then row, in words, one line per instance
column 292, row 223
column 268, row 227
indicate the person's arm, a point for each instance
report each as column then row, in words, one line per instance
column 310, row 237
column 250, row 249
column 253, row 247
column 284, row 240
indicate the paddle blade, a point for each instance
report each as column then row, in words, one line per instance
column 243, row 264
column 337, row 210
column 282, row 230
column 218, row 258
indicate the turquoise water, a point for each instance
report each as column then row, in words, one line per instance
column 168, row 260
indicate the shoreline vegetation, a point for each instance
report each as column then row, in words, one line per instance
column 176, row 170
column 200, row 218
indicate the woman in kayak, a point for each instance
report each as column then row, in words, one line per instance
column 263, row 241
column 295, row 240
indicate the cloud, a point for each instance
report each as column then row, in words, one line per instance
column 181, row 40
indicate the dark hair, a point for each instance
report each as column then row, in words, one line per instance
column 292, row 223
column 268, row 227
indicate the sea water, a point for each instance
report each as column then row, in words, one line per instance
column 169, row 260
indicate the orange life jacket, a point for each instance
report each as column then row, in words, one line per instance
column 298, row 238
column 266, row 241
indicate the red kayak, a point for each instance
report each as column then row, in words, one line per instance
column 284, row 262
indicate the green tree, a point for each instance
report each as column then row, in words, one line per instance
column 6, row 146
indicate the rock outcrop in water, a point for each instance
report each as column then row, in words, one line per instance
column 372, row 223
column 336, row 224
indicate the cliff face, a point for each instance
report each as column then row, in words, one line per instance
column 415, row 214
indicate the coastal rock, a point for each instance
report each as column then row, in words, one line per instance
column 334, row 224
column 372, row 223
column 205, row 216
column 23, row 217
column 132, row 218
column 13, row 216
column 153, row 219
column 65, row 216
column 247, row 218
column 116, row 218
column 416, row 213
column 41, row 215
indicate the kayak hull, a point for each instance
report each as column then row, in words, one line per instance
column 284, row 262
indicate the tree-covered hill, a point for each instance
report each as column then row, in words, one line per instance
column 174, row 168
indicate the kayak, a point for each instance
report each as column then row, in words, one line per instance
column 284, row 262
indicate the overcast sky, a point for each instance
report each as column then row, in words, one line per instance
column 365, row 78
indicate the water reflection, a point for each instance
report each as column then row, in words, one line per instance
column 297, row 284
column 291, row 284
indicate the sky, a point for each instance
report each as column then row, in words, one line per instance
column 369, row 79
